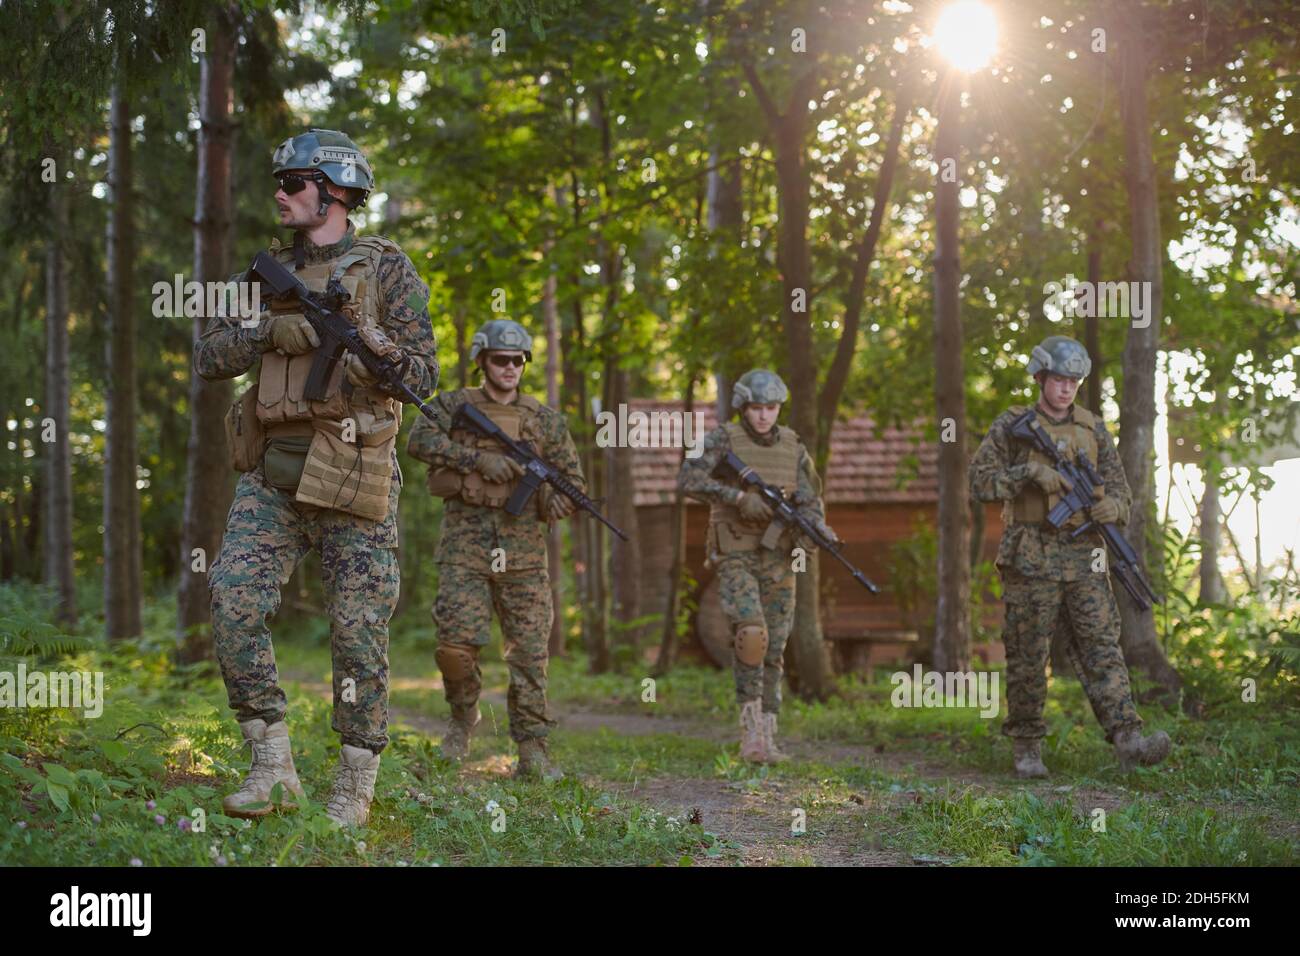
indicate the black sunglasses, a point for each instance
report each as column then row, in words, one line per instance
column 502, row 361
column 296, row 182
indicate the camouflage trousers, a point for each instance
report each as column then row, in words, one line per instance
column 267, row 534
column 757, row 587
column 1085, row 611
column 463, row 615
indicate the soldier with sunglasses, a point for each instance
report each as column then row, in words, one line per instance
column 318, row 475
column 488, row 558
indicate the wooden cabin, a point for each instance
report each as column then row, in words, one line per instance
column 878, row 491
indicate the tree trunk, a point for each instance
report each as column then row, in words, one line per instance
column 952, row 609
column 673, row 600
column 863, row 255
column 1137, row 406
column 122, row 548
column 811, row 674
column 208, row 486
column 60, row 575
column 625, row 556
column 1091, row 331
column 588, row 553
column 554, row 535
column 1212, row 589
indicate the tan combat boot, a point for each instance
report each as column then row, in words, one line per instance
column 1135, row 750
column 455, row 742
column 354, row 786
column 535, row 761
column 1029, row 758
column 272, row 764
column 774, row 754
column 753, row 746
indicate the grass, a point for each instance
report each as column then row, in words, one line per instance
column 90, row 791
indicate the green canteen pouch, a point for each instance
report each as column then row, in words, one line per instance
column 284, row 460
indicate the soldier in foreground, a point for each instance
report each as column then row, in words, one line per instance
column 487, row 557
column 757, row 584
column 317, row 475
column 1043, row 569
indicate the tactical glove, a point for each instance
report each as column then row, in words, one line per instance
column 753, row 509
column 357, row 373
column 292, row 334
column 559, row 507
column 1105, row 511
column 1048, row 478
column 498, row 468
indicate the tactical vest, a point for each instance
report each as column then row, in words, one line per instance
column 1071, row 436
column 474, row 489
column 351, row 433
column 777, row 464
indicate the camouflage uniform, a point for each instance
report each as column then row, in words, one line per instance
column 468, row 587
column 268, row 532
column 755, row 585
column 1049, row 581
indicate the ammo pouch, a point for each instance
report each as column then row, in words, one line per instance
column 244, row 434
column 474, row 489
column 284, row 460
column 353, row 475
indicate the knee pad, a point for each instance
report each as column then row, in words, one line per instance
column 751, row 643
column 456, row 661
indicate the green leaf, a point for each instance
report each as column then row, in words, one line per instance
column 58, row 794
column 114, row 750
column 93, row 777
column 60, row 775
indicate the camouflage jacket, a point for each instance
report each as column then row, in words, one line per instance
column 470, row 533
column 226, row 349
column 997, row 473
column 696, row 477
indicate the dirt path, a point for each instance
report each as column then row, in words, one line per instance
column 755, row 823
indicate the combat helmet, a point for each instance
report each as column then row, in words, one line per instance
column 760, row 387
column 334, row 155
column 1060, row 356
column 501, row 334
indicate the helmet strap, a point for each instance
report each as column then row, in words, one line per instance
column 326, row 200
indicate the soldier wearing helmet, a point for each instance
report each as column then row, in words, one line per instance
column 317, row 474
column 488, row 558
column 756, row 580
column 1050, row 579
